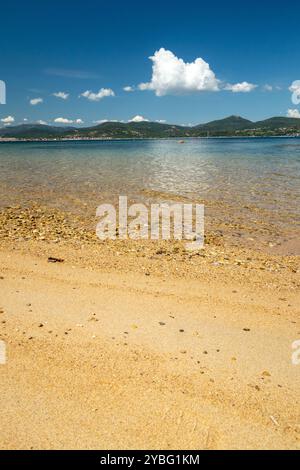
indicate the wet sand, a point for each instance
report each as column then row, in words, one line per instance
column 144, row 345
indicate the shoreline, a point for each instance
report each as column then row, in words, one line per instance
column 101, row 139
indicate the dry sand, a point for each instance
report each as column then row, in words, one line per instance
column 128, row 346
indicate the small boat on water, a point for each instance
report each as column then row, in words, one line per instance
column 181, row 141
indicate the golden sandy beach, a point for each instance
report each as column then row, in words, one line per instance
column 125, row 345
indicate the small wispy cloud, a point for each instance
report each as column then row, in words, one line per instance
column 243, row 87
column 102, row 93
column 41, row 122
column 128, row 88
column 62, row 95
column 69, row 73
column 267, row 87
column 102, row 121
column 36, row 101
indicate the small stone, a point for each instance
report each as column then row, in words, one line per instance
column 52, row 259
column 265, row 373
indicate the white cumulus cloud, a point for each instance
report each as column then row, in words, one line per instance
column 62, row 120
column 295, row 90
column 40, row 121
column 8, row 120
column 171, row 75
column 102, row 93
column 62, row 95
column 293, row 113
column 36, row 101
column 243, row 87
column 138, row 118
column 128, row 88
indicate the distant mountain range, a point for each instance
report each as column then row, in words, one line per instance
column 234, row 126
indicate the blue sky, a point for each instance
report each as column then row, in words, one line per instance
column 83, row 47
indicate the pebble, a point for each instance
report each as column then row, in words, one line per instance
column 265, row 373
column 52, row 259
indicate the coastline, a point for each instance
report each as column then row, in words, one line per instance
column 125, row 345
column 108, row 139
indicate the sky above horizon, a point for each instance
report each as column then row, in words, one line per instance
column 68, row 63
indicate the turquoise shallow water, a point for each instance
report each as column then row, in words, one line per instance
column 261, row 172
